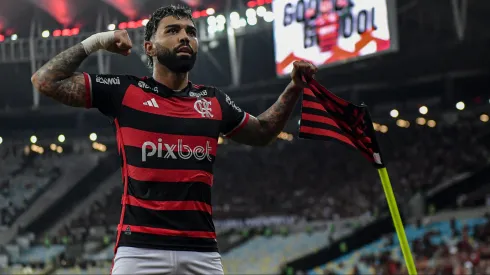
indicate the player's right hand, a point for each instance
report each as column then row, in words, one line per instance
column 302, row 69
column 122, row 43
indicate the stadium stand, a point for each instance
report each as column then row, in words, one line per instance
column 278, row 207
column 27, row 175
column 447, row 243
column 419, row 158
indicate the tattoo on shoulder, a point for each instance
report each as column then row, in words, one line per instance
column 71, row 91
column 58, row 80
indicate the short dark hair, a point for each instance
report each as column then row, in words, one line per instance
column 179, row 12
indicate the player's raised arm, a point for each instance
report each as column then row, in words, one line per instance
column 58, row 79
column 262, row 130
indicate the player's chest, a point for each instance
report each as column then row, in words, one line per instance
column 207, row 108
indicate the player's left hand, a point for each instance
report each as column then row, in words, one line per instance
column 302, row 69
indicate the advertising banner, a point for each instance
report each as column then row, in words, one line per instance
column 326, row 32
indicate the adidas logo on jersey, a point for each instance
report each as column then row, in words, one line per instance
column 152, row 103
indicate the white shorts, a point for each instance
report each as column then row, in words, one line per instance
column 132, row 260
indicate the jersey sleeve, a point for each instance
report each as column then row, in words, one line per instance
column 105, row 92
column 233, row 117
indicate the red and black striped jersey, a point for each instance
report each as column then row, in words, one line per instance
column 167, row 141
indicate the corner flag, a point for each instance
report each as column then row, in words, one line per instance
column 325, row 116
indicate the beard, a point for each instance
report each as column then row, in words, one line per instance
column 174, row 62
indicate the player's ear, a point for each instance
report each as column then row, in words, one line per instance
column 150, row 48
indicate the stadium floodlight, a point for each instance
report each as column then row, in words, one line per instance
column 383, row 129
column 394, row 113
column 111, row 27
column 220, row 27
column 212, row 29
column 210, row 11
column 251, row 13
column 235, row 20
column 14, row 37
column 93, row 136
column 52, row 147
column 460, row 105
column 235, row 24
column 420, row 121
column 261, row 11
column 431, row 123
column 423, row 110
column 234, row 16
column 269, row 16
column 1, row 140
column 400, row 123
column 61, row 138
column 59, row 149
column 243, row 22
column 144, row 22
column 45, row 34
column 33, row 139
column 221, row 19
column 483, row 118
column 212, row 20
column 252, row 21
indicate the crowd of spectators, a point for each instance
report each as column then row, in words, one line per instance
column 325, row 180
column 23, row 176
column 464, row 253
column 309, row 179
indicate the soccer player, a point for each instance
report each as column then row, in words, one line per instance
column 167, row 130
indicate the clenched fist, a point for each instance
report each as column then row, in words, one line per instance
column 122, row 43
column 112, row 41
column 302, row 69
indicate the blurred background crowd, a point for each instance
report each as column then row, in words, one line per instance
column 296, row 206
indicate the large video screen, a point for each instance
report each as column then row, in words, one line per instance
column 326, row 32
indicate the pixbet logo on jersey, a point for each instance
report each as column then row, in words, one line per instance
column 175, row 151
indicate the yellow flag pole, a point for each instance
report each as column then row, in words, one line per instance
column 397, row 221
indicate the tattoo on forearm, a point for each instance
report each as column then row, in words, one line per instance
column 58, row 80
column 265, row 128
column 275, row 118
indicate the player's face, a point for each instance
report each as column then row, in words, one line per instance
column 176, row 44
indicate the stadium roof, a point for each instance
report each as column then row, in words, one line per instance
column 16, row 16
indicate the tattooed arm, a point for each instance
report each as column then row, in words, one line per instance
column 262, row 130
column 58, row 80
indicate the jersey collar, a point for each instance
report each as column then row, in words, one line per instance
column 166, row 91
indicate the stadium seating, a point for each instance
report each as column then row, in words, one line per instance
column 438, row 235
column 24, row 178
column 90, row 270
column 41, row 254
column 307, row 179
column 267, row 253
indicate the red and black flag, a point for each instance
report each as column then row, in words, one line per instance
column 325, row 116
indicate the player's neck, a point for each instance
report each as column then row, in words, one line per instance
column 174, row 81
